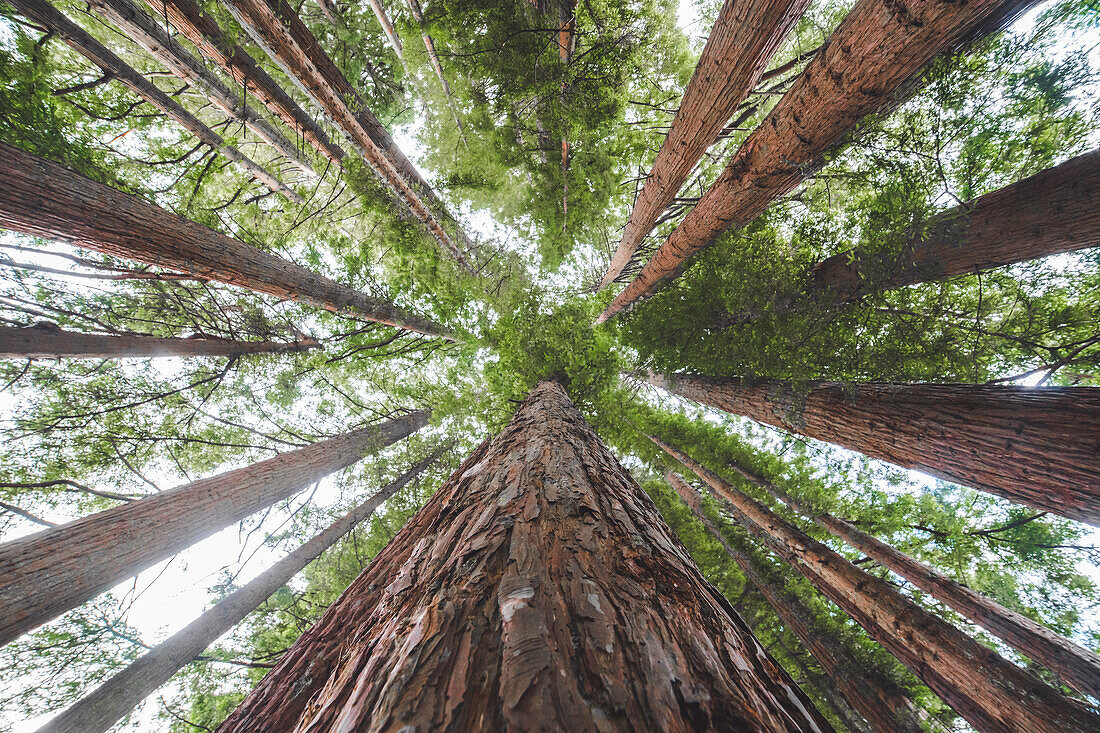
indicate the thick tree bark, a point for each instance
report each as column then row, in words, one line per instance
column 81, row 41
column 106, row 705
column 1038, row 446
column 876, row 53
column 44, row 199
column 538, row 589
column 437, row 67
column 991, row 693
column 53, row 571
column 47, row 341
column 742, row 42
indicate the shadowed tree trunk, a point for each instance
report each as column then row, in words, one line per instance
column 1038, row 446
column 47, row 200
column 538, row 589
column 101, row 709
column 53, row 571
column 991, row 693
column 873, row 55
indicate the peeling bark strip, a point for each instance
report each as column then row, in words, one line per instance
column 1038, row 446
column 538, row 589
column 991, row 693
column 53, row 571
column 742, row 42
column 115, row 698
column 47, row 341
column 44, row 199
column 881, row 702
column 76, row 37
column 877, row 50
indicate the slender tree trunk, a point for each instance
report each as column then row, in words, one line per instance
column 991, row 693
column 433, row 58
column 328, row 9
column 537, row 590
column 742, row 42
column 1038, row 446
column 387, row 27
column 47, row 341
column 44, row 199
column 53, row 571
column 873, row 56
column 76, row 37
column 115, row 698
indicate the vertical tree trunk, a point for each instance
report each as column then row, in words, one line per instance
column 537, row 590
column 742, row 42
column 47, row 341
column 115, row 698
column 1038, row 446
column 991, row 693
column 53, row 571
column 44, row 199
column 876, row 52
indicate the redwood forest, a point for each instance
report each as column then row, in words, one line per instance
column 558, row 365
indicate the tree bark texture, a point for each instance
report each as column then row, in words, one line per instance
column 988, row 691
column 742, row 42
column 538, row 589
column 106, row 705
column 46, row 341
column 50, row 572
column 44, row 199
column 1038, row 446
column 876, row 51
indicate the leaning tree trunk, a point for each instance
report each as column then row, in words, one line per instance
column 875, row 53
column 433, row 57
column 53, row 571
column 387, row 27
column 115, row 698
column 1038, row 446
column 47, row 341
column 991, row 693
column 44, row 199
column 537, row 590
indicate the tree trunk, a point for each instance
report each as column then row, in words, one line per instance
column 991, row 693
column 53, row 571
column 76, row 37
column 115, row 698
column 44, row 199
column 387, row 27
column 875, row 53
column 47, row 341
column 1038, row 446
column 742, row 42
column 537, row 590
column 433, row 57
column 882, row 704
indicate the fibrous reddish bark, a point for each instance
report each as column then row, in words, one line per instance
column 991, row 693
column 538, row 589
column 744, row 37
column 875, row 52
column 115, row 698
column 1038, row 446
column 53, row 571
column 44, row 199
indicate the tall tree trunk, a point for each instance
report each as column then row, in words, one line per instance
column 53, row 571
column 742, row 42
column 879, row 700
column 47, row 341
column 991, row 693
column 875, row 53
column 433, row 58
column 1038, row 446
column 44, row 199
column 81, row 41
column 387, row 28
column 537, row 590
column 106, row 705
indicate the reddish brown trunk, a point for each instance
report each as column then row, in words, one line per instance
column 991, row 693
column 53, row 571
column 743, row 40
column 877, row 51
column 387, row 26
column 1033, row 445
column 44, row 199
column 537, row 590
